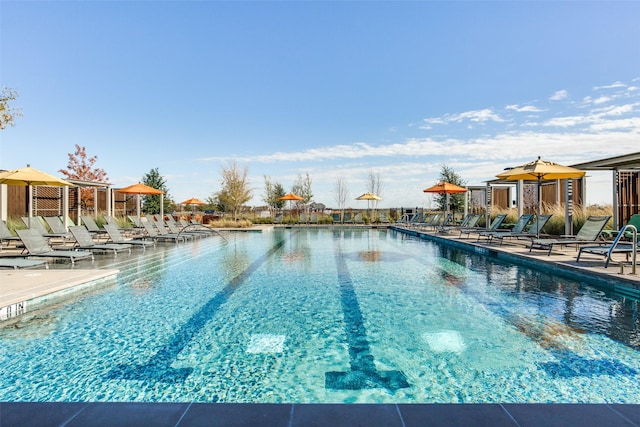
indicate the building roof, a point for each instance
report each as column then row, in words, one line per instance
column 627, row 161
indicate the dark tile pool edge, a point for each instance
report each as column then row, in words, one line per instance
column 620, row 284
column 69, row 414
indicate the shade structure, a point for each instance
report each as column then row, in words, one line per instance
column 445, row 188
column 540, row 169
column 139, row 189
column 368, row 197
column 28, row 177
column 290, row 197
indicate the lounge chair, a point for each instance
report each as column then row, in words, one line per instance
column 358, row 219
column 85, row 241
column 279, row 219
column 616, row 247
column 518, row 227
column 383, row 219
column 335, row 218
column 177, row 230
column 532, row 232
column 313, row 218
column 5, row 234
column 469, row 221
column 91, row 225
column 347, row 218
column 38, row 224
column 37, row 246
column 589, row 233
column 151, row 233
column 16, row 263
column 116, row 237
column 494, row 226
column 634, row 220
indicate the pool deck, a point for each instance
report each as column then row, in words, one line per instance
column 21, row 285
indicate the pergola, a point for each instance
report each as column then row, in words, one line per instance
column 626, row 184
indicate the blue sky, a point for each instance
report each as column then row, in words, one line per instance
column 333, row 89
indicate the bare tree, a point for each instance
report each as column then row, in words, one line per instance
column 374, row 185
column 235, row 189
column 341, row 193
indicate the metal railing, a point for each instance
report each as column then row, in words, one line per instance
column 634, row 246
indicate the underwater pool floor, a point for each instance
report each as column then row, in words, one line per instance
column 188, row 414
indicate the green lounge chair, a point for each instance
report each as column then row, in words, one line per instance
column 532, row 232
column 37, row 246
column 519, row 227
column 469, row 221
column 634, row 220
column 589, row 233
column 494, row 226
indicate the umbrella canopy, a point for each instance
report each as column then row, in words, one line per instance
column 139, row 189
column 193, row 201
column 291, row 196
column 368, row 196
column 539, row 170
column 445, row 188
column 28, row 177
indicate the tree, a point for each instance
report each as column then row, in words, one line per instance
column 302, row 188
column 151, row 202
column 341, row 193
column 7, row 112
column 273, row 190
column 235, row 189
column 374, row 185
column 81, row 167
column 447, row 174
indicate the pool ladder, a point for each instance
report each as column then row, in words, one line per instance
column 634, row 250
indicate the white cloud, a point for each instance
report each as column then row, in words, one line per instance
column 524, row 109
column 615, row 85
column 559, row 95
column 601, row 100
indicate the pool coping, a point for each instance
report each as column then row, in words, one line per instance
column 89, row 414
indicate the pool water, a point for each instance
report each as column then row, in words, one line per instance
column 321, row 315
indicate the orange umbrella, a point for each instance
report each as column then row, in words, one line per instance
column 290, row 197
column 193, row 201
column 445, row 188
column 139, row 189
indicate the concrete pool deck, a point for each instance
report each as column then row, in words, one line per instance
column 27, row 284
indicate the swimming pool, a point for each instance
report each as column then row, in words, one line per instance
column 321, row 315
